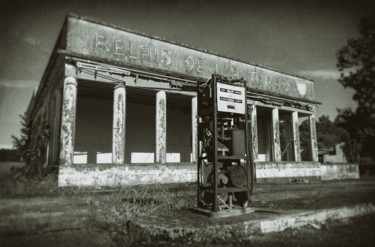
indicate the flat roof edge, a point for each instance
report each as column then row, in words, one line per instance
column 76, row 16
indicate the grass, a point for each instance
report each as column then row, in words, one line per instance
column 115, row 211
column 110, row 209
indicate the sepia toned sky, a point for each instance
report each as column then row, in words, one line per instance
column 296, row 37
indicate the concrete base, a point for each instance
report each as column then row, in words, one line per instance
column 132, row 174
column 223, row 213
column 187, row 226
column 118, row 175
column 331, row 171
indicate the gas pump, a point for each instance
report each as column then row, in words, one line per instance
column 225, row 169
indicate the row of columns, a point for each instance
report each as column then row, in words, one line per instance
column 276, row 150
column 119, row 127
column 119, row 124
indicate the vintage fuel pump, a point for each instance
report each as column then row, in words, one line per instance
column 225, row 168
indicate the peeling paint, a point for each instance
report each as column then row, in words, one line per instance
column 313, row 137
column 254, row 131
column 119, row 123
column 68, row 121
column 128, row 48
column 116, row 175
column 161, row 128
column 287, row 170
column 297, row 147
column 276, row 135
column 194, row 125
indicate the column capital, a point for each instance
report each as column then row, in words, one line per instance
column 70, row 80
column 120, row 85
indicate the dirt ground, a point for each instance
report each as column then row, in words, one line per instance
column 68, row 218
column 354, row 232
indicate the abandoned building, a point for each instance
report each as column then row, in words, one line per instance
column 121, row 109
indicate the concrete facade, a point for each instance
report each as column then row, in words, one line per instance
column 122, row 108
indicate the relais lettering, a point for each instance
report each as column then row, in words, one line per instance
column 127, row 50
column 131, row 49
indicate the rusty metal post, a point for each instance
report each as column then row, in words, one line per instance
column 161, row 128
column 296, row 142
column 276, row 151
column 119, row 123
column 194, row 129
column 313, row 139
column 68, row 121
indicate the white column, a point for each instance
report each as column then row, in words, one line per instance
column 119, row 123
column 161, row 128
column 313, row 139
column 254, row 131
column 295, row 126
column 276, row 151
column 68, row 121
column 194, row 129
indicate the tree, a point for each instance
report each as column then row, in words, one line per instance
column 356, row 62
column 32, row 148
column 21, row 143
column 328, row 135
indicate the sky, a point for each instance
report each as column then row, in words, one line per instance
column 292, row 36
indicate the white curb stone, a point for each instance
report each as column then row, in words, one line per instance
column 319, row 216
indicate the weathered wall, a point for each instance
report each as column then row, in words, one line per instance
column 287, row 171
column 339, row 171
column 266, row 172
column 115, row 175
column 54, row 123
column 102, row 42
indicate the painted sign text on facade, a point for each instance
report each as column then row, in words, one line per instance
column 92, row 39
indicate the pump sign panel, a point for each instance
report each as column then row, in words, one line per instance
column 231, row 98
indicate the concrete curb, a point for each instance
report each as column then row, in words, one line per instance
column 318, row 216
column 273, row 223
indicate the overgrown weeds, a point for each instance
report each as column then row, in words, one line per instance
column 115, row 211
